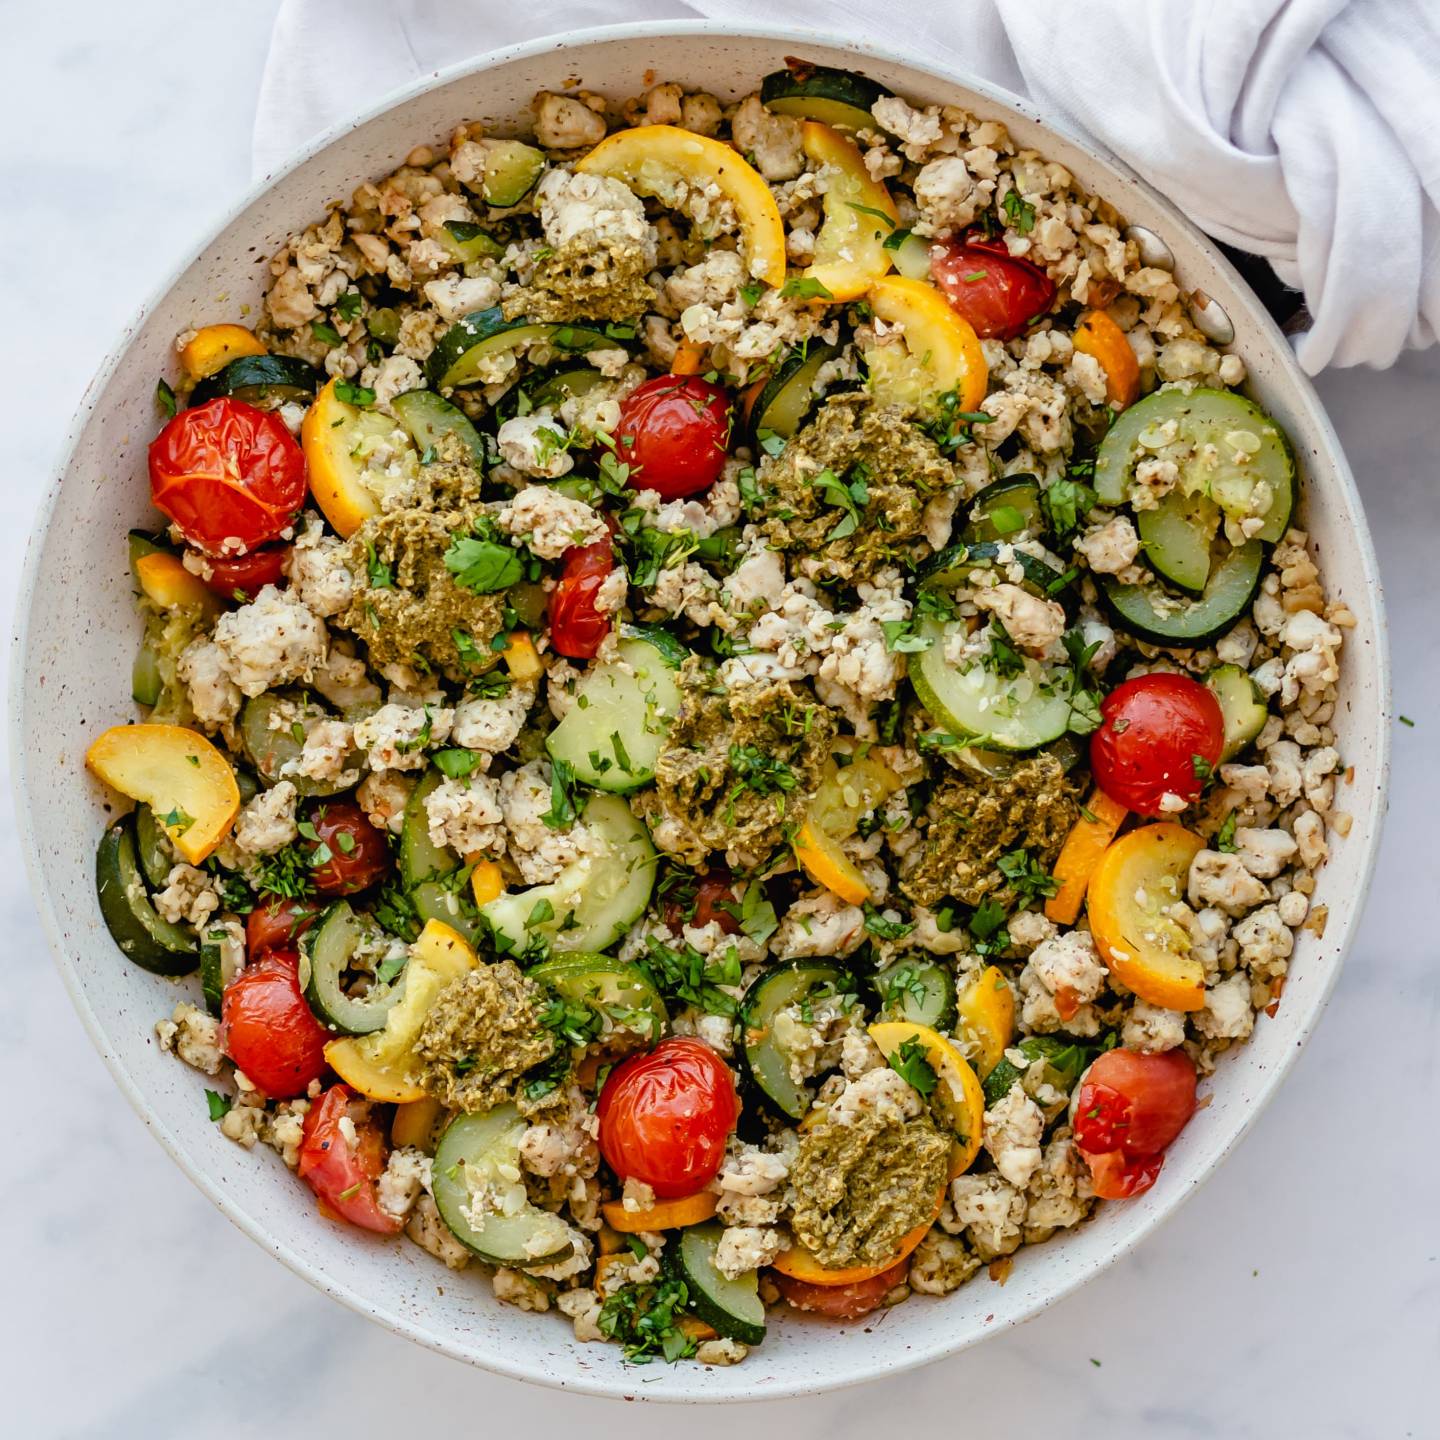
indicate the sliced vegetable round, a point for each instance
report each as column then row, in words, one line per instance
column 1241, row 705
column 732, row 1308
column 951, row 568
column 818, row 92
column 788, row 396
column 1006, row 509
column 467, row 346
column 273, row 739
column 764, row 1050
column 509, row 172
column 325, row 955
column 152, row 846
column 219, row 965
column 420, row 858
column 1150, row 612
column 620, row 992
column 430, row 418
column 264, row 381
column 135, row 925
column 916, row 989
column 1178, row 536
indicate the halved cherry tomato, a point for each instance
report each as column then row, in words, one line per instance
column 997, row 292
column 358, row 854
column 267, row 1028
column 341, row 1174
column 672, row 434
column 841, row 1302
column 665, row 1116
column 577, row 627
column 712, row 894
column 1128, row 1110
column 1162, row 735
column 230, row 476
column 278, row 924
column 243, row 577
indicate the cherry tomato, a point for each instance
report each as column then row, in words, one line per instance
column 712, row 894
column 577, row 627
column 359, row 855
column 1128, row 1110
column 341, row 1174
column 278, row 924
column 243, row 577
column 841, row 1302
column 672, row 434
column 267, row 1028
column 229, row 475
column 665, row 1116
column 1162, row 735
column 998, row 293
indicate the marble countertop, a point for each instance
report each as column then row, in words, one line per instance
column 1298, row 1293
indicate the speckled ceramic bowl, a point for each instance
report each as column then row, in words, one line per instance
column 78, row 633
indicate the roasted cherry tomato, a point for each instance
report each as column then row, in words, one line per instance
column 229, row 475
column 665, row 1117
column 243, row 577
column 712, row 894
column 998, row 293
column 1127, row 1111
column 841, row 1302
column 341, row 1174
column 358, row 854
column 577, row 626
column 1161, row 735
column 672, row 434
column 267, row 1028
column 278, row 924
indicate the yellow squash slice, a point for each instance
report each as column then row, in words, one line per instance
column 957, row 1096
column 341, row 444
column 850, row 253
column 941, row 352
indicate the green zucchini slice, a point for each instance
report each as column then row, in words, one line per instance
column 763, row 1055
column 921, row 991
column 840, row 98
column 326, row 950
column 153, row 849
column 469, row 242
column 785, row 403
column 1152, row 613
column 910, row 254
column 1006, row 510
column 951, row 568
column 135, row 925
column 265, row 381
column 146, row 682
column 481, row 1197
column 550, row 388
column 449, row 901
column 1241, row 704
column 271, row 742
column 1178, row 535
column 430, row 418
column 732, row 1308
column 619, row 992
column 216, row 970
column 511, row 171
column 420, row 858
column 1224, row 445
column 484, row 334
column 1065, row 1062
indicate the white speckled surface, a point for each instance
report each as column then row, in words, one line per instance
column 186, row 1328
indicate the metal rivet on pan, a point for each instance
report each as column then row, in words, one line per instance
column 1153, row 251
column 1210, row 318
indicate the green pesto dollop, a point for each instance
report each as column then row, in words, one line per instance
column 585, row 280
column 975, row 819
column 481, row 1036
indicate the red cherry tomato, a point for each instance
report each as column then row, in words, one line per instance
column 278, row 924
column 1162, row 735
column 243, row 577
column 341, row 1174
column 672, row 434
column 577, row 627
column 1128, row 1110
column 665, row 1116
column 229, row 475
column 712, row 894
column 267, row 1028
column 998, row 293
column 841, row 1302
column 359, row 855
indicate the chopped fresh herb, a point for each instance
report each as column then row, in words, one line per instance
column 391, row 967
column 482, row 564
column 645, row 1320
column 684, row 975
column 909, row 1063
column 540, row 912
column 467, row 651
column 217, row 1104
column 347, row 307
column 177, row 819
column 751, row 293
column 804, row 287
column 986, row 928
column 1067, row 502
column 1019, row 212
column 754, row 912
column 877, row 925
column 562, row 812
column 326, row 334
column 1201, row 766
column 900, row 636
column 896, row 238
column 286, row 873
column 1407, row 721
column 757, row 771
column 1027, row 877
column 879, row 215
column 1225, row 836
column 456, row 764
column 421, row 738
column 379, row 574
column 165, row 398
column 349, row 394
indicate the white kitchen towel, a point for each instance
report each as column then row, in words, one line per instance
column 1305, row 131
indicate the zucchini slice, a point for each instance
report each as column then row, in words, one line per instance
column 483, row 335
column 952, row 566
column 732, row 1308
column 594, row 900
column 918, row 990
column 1224, row 445
column 481, row 1197
column 469, row 242
column 147, row 684
column 264, row 381
column 1005, row 510
column 153, row 849
column 271, row 743
column 1152, row 613
column 449, row 902
column 763, row 1055
column 420, row 858
column 816, row 92
column 910, row 255
column 511, row 171
column 785, row 403
column 1178, row 535
column 326, row 950
column 612, row 736
column 135, row 925
column 1241, row 704
column 550, row 388
column 430, row 417
column 620, row 992
column 215, row 972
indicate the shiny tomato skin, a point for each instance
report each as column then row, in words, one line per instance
column 665, row 1116
column 1117, row 1176
column 998, row 293
column 278, row 924
column 1161, row 734
column 243, row 577
column 359, row 854
column 841, row 1302
column 1128, row 1110
column 712, row 894
column 342, row 1177
column 673, row 433
column 267, row 1028
column 226, row 472
column 577, row 626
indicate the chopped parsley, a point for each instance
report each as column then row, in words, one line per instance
column 481, row 563
column 379, row 575
column 562, row 812
column 1225, row 836
column 165, row 398
column 1066, row 503
column 327, row 335
column 804, row 287
column 347, row 307
column 1019, row 212
column 217, row 1104
column 683, row 974
column 909, row 1063
column 645, row 1320
column 455, row 763
column 349, row 394
column 1028, row 879
column 986, row 928
column 877, row 925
